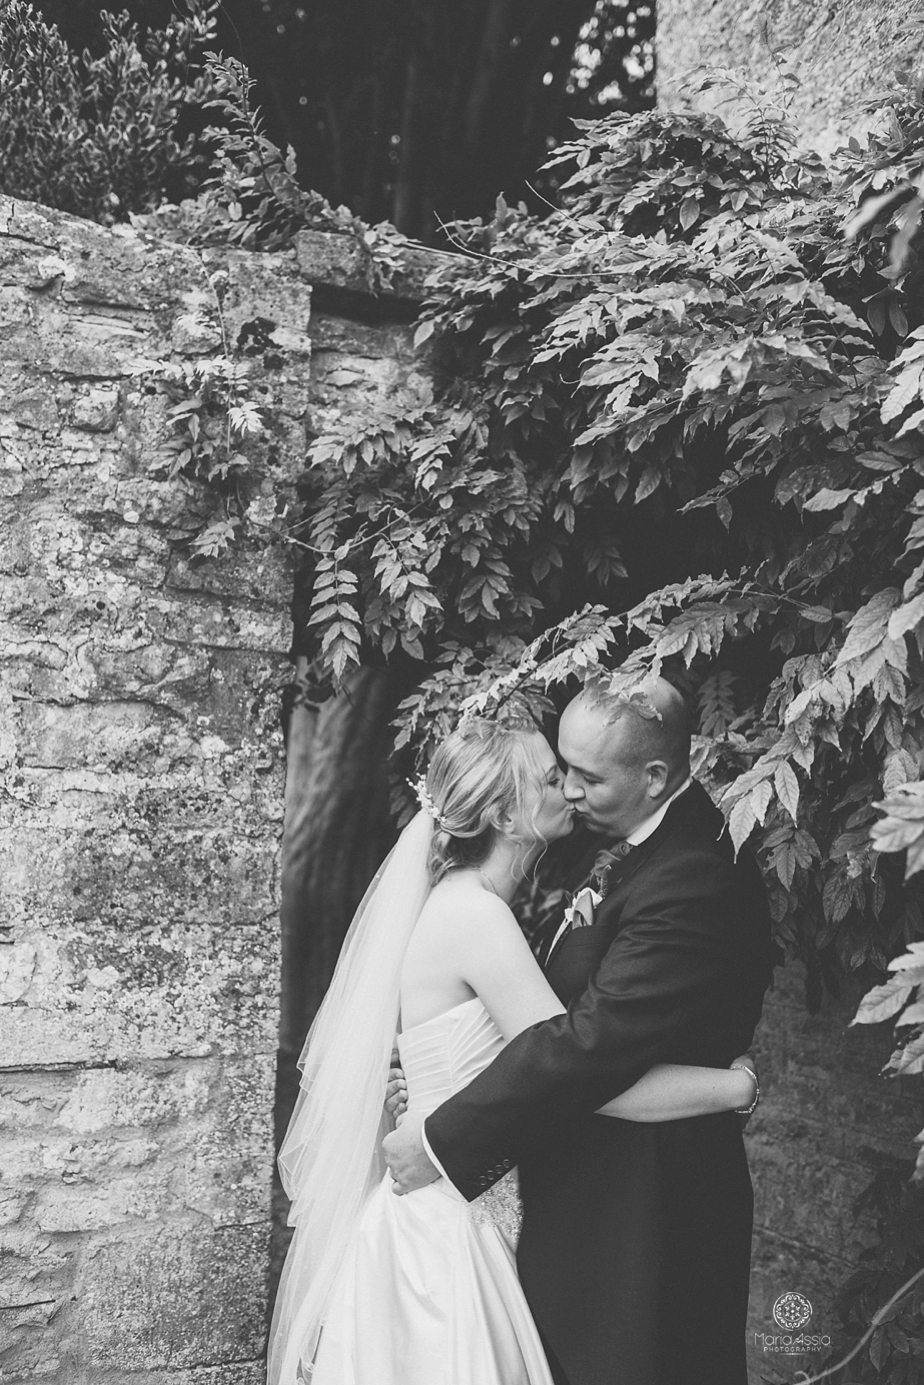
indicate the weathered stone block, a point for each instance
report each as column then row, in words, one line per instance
column 266, row 305
column 82, row 734
column 234, row 1373
column 334, row 336
column 334, row 261
column 29, row 1349
column 15, row 545
column 96, row 409
column 155, row 991
column 116, row 665
column 12, row 470
column 37, row 1270
column 211, row 623
column 32, row 408
column 374, row 379
column 258, row 575
column 15, row 308
column 75, row 1160
column 340, row 260
column 141, row 1306
column 213, row 876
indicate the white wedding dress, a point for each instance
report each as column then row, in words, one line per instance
column 428, row 1293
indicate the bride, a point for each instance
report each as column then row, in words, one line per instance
column 423, row 1289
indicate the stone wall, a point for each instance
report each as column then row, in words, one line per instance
column 141, row 811
column 843, row 51
column 142, row 799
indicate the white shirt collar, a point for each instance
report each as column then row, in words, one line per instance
column 649, row 825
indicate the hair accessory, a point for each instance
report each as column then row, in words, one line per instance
column 426, row 802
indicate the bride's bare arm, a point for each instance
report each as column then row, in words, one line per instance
column 500, row 968
column 495, row 960
column 672, row 1091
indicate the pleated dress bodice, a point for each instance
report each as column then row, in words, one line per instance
column 443, row 1054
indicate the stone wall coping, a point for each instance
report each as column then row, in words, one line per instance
column 341, row 270
column 337, row 265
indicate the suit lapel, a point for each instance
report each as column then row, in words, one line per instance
column 693, row 811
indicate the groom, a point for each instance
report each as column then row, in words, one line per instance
column 635, row 1249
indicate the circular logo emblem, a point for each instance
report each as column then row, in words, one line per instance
column 791, row 1311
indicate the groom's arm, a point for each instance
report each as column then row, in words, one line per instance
column 658, row 989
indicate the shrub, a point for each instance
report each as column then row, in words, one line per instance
column 107, row 134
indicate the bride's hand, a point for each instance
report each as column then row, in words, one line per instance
column 396, row 1090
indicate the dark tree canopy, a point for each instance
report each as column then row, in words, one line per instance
column 413, row 110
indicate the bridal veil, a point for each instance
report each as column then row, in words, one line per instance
column 331, row 1157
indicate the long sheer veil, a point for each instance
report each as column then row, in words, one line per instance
column 331, row 1157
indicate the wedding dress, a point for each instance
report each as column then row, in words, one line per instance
column 379, row 1289
column 428, row 1292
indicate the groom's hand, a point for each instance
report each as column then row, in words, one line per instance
column 408, row 1162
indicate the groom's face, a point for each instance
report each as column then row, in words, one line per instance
column 609, row 784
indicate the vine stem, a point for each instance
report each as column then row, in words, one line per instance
column 225, row 346
column 802, row 1379
column 526, row 265
column 355, row 543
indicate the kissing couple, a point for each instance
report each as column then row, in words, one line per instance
column 605, row 1080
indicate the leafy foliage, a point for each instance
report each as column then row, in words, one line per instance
column 901, row 999
column 249, row 196
column 212, row 418
column 894, row 1350
column 689, row 370
column 218, row 431
column 103, row 135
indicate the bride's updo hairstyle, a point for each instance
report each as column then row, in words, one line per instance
column 478, row 775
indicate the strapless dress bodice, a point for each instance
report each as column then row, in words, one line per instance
column 439, row 1058
column 444, row 1054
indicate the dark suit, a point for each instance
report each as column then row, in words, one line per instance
column 636, row 1238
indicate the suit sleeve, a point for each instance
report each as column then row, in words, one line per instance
column 655, row 993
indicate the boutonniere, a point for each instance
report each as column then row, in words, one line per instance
column 580, row 912
column 603, row 864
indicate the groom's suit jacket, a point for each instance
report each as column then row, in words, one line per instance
column 635, row 1248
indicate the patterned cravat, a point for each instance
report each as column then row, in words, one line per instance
column 604, row 862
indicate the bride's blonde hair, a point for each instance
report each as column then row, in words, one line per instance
column 480, row 774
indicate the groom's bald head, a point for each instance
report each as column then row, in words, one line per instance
column 656, row 725
column 624, row 757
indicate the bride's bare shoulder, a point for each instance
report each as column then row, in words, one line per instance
column 461, row 903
